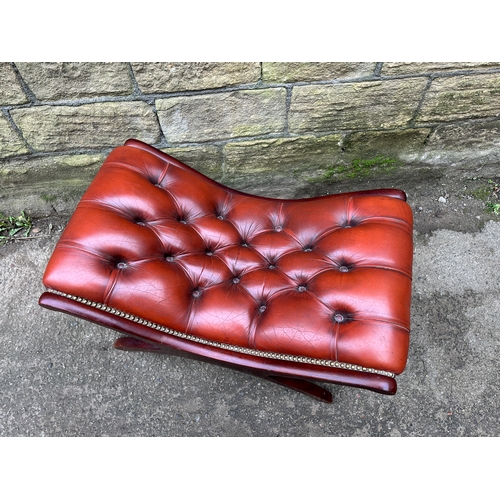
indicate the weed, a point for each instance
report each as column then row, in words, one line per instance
column 492, row 207
column 11, row 226
column 489, row 195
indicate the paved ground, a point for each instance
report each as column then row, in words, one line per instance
column 59, row 376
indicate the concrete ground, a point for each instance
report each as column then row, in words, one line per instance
column 59, row 376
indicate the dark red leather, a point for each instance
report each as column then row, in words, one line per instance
column 327, row 278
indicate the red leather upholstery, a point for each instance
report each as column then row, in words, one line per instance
column 324, row 279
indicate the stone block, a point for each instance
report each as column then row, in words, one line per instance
column 46, row 185
column 89, row 126
column 204, row 158
column 472, row 143
column 285, row 155
column 464, row 136
column 461, row 97
column 405, row 145
column 284, row 72
column 162, row 77
column 74, row 80
column 355, row 106
column 278, row 167
column 10, row 142
column 11, row 92
column 221, row 116
column 411, row 68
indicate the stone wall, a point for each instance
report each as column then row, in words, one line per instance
column 266, row 128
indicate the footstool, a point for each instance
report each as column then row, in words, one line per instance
column 294, row 291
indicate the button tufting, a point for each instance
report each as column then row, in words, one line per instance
column 291, row 311
column 339, row 318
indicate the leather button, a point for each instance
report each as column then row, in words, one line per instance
column 338, row 318
column 196, row 293
column 301, row 288
column 236, row 280
column 350, row 223
column 278, row 228
column 343, row 269
column 169, row 258
column 121, row 265
column 262, row 308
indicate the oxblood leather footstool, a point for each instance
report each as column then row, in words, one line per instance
column 293, row 291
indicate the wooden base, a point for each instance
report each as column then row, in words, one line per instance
column 296, row 376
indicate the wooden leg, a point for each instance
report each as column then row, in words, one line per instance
column 303, row 386
column 131, row 344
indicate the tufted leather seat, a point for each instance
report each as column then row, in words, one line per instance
column 291, row 290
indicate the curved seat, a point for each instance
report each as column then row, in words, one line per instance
column 294, row 291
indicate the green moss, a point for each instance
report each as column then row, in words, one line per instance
column 481, row 193
column 361, row 168
column 48, row 197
